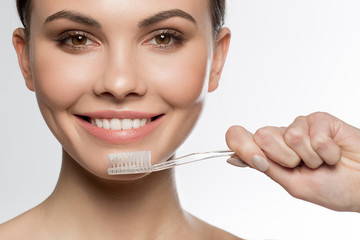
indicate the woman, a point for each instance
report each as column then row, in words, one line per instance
column 118, row 61
column 70, row 57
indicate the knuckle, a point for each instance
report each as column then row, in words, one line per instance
column 318, row 115
column 294, row 136
column 299, row 118
column 320, row 143
column 264, row 136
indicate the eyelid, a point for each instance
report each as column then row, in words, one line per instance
column 66, row 35
column 177, row 36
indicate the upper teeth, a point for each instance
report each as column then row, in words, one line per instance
column 119, row 124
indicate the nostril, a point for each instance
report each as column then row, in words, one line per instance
column 119, row 96
column 132, row 94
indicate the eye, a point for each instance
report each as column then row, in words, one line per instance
column 75, row 40
column 163, row 39
column 79, row 40
column 166, row 38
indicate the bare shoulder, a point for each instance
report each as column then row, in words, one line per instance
column 21, row 227
column 218, row 233
column 210, row 232
column 12, row 229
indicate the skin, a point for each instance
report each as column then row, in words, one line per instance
column 310, row 161
column 120, row 68
column 316, row 158
column 142, row 78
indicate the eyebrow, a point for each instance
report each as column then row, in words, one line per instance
column 80, row 18
column 166, row 15
column 75, row 17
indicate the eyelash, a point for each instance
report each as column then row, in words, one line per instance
column 67, row 36
column 176, row 38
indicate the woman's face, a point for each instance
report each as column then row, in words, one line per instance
column 121, row 75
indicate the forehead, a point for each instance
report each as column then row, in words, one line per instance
column 121, row 11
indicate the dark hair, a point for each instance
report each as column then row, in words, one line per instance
column 23, row 8
column 217, row 9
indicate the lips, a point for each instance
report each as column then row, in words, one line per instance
column 119, row 127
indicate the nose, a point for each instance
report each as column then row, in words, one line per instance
column 120, row 76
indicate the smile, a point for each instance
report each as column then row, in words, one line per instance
column 119, row 124
column 121, row 127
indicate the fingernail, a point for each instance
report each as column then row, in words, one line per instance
column 237, row 162
column 260, row 163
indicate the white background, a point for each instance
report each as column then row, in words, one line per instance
column 287, row 58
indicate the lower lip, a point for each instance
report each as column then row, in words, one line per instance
column 119, row 136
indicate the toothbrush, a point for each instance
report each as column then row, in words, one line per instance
column 140, row 161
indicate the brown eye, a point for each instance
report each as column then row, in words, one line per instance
column 163, row 39
column 78, row 40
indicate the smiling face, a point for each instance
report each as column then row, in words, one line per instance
column 121, row 76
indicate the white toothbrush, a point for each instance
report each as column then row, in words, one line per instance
column 140, row 161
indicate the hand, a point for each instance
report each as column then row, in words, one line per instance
column 316, row 158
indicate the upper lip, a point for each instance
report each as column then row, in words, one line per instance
column 109, row 114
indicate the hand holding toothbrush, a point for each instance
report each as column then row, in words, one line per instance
column 316, row 158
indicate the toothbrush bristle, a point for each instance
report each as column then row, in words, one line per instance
column 129, row 162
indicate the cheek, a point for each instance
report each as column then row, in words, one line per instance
column 180, row 78
column 60, row 79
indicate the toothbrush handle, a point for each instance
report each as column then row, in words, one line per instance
column 193, row 157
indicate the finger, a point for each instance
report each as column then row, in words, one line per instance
column 322, row 130
column 270, row 140
column 241, row 142
column 297, row 137
column 236, row 161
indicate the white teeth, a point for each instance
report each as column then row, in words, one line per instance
column 115, row 124
column 136, row 123
column 126, row 124
column 99, row 123
column 119, row 124
column 106, row 124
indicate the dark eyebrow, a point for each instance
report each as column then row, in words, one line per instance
column 73, row 16
column 165, row 15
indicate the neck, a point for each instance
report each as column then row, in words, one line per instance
column 127, row 209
